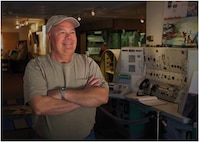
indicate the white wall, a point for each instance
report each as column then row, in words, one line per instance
column 154, row 21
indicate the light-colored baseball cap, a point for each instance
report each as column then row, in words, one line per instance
column 56, row 19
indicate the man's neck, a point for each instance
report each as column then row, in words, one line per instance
column 62, row 59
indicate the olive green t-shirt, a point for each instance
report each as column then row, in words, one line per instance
column 44, row 73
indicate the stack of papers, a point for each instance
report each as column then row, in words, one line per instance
column 147, row 100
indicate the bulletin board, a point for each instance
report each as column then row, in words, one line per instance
column 180, row 26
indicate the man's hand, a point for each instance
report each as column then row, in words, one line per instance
column 93, row 82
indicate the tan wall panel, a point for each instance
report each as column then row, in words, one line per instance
column 10, row 40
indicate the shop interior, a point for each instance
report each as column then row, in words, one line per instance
column 147, row 52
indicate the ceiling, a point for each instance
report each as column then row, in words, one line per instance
column 35, row 10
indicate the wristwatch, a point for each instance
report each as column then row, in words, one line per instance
column 62, row 92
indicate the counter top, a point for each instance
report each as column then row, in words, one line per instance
column 167, row 108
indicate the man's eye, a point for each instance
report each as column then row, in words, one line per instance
column 65, row 33
column 72, row 32
column 62, row 32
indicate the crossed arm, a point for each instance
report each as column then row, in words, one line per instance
column 92, row 95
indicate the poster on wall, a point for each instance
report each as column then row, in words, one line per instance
column 180, row 27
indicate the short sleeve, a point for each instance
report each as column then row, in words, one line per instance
column 34, row 81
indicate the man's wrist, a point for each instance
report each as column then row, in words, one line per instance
column 62, row 92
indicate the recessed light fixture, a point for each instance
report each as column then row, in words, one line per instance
column 17, row 27
column 92, row 12
column 21, row 23
column 142, row 21
column 79, row 18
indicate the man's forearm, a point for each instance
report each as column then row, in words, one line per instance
column 62, row 108
column 89, row 97
column 93, row 95
column 46, row 105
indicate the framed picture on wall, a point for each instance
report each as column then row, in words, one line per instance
column 180, row 27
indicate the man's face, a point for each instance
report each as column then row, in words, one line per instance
column 62, row 38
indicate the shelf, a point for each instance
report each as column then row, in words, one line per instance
column 110, row 72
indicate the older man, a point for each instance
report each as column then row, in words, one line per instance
column 64, row 88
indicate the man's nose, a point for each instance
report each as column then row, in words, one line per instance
column 67, row 35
